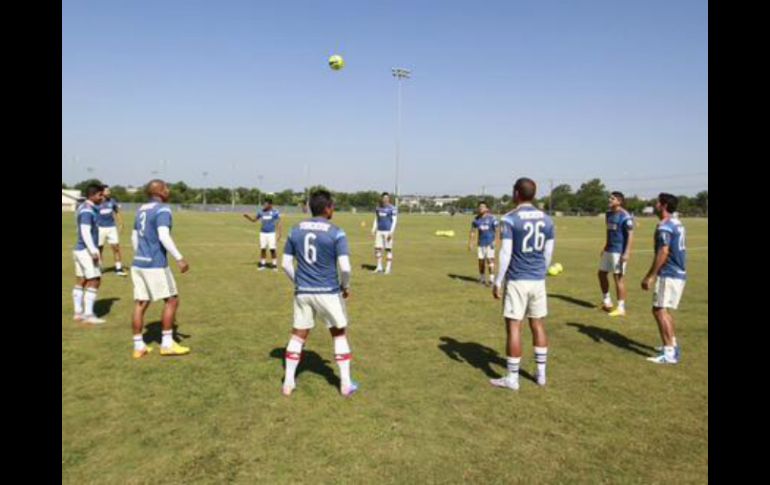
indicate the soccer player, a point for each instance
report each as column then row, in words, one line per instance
column 88, row 277
column 486, row 225
column 614, row 255
column 271, row 222
column 525, row 253
column 150, row 273
column 668, row 271
column 108, row 232
column 318, row 246
column 385, row 219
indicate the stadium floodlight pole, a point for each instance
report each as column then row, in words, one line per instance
column 204, row 188
column 400, row 74
column 259, row 177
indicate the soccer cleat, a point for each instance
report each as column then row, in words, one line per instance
column 78, row 317
column 286, row 390
column 347, row 392
column 506, row 383
column 677, row 351
column 606, row 308
column 175, row 349
column 120, row 272
column 618, row 312
column 387, row 271
column 275, row 267
column 93, row 320
column 138, row 354
column 261, row 267
column 540, row 379
column 662, row 359
column 377, row 270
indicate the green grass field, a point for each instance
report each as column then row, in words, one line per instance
column 424, row 346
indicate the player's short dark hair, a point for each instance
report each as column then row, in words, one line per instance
column 384, row 194
column 268, row 200
column 619, row 196
column 319, row 201
column 482, row 202
column 526, row 188
column 93, row 189
column 670, row 201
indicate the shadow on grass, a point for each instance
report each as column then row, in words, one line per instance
column 599, row 334
column 575, row 301
column 102, row 307
column 369, row 267
column 478, row 356
column 153, row 332
column 471, row 279
column 311, row 362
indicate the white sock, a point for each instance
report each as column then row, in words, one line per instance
column 541, row 356
column 168, row 339
column 669, row 352
column 379, row 261
column 513, row 367
column 139, row 342
column 390, row 262
column 90, row 300
column 262, row 261
column 342, row 356
column 77, row 299
column 118, row 266
column 491, row 272
column 674, row 341
column 607, row 299
column 621, row 304
column 292, row 357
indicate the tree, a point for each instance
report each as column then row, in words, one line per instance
column 592, row 196
column 702, row 201
column 63, row 185
column 562, row 198
column 81, row 186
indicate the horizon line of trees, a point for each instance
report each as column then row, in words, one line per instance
column 590, row 198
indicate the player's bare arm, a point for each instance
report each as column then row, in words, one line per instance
column 660, row 259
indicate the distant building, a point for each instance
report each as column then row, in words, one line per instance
column 69, row 200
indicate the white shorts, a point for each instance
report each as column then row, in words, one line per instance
column 610, row 263
column 267, row 240
column 108, row 235
column 668, row 292
column 84, row 265
column 381, row 240
column 525, row 298
column 329, row 307
column 486, row 252
column 153, row 284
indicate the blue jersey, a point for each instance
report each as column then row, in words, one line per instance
column 150, row 253
column 316, row 244
column 528, row 228
column 269, row 218
column 486, row 226
column 385, row 217
column 87, row 213
column 671, row 233
column 619, row 224
column 107, row 210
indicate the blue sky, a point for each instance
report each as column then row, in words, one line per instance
column 240, row 89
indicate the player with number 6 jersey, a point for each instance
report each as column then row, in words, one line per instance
column 318, row 246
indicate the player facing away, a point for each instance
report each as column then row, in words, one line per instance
column 615, row 253
column 109, row 211
column 668, row 271
column 86, row 256
column 268, row 239
column 525, row 253
column 486, row 225
column 150, row 273
column 318, row 246
column 383, row 228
